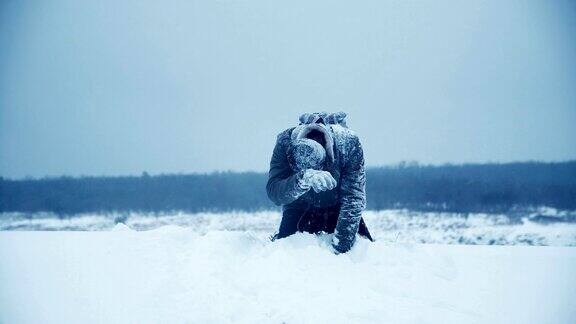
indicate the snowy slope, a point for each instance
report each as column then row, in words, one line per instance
column 175, row 275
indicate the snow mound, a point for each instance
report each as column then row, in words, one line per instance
column 174, row 274
column 121, row 227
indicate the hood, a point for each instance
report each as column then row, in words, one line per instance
column 305, row 130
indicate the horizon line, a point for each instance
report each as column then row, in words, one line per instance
column 401, row 164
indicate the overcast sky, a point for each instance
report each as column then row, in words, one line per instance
column 120, row 87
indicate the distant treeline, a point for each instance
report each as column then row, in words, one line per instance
column 454, row 188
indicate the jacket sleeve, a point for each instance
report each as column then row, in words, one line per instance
column 283, row 184
column 353, row 198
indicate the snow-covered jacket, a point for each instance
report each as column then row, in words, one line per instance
column 345, row 161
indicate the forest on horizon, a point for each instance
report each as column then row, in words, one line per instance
column 490, row 188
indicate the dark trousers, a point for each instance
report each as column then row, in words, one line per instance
column 314, row 220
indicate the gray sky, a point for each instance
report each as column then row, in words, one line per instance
column 119, row 87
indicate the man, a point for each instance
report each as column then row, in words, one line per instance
column 317, row 175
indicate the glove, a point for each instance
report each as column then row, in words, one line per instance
column 317, row 180
column 338, row 247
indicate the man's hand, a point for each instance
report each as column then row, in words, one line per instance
column 337, row 248
column 317, row 180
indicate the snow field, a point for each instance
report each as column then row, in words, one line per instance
column 399, row 226
column 176, row 274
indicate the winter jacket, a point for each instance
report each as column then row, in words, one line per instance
column 345, row 162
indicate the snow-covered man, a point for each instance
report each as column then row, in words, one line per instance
column 317, row 175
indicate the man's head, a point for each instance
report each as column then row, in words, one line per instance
column 306, row 153
column 317, row 127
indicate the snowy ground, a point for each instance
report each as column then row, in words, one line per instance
column 177, row 274
column 392, row 226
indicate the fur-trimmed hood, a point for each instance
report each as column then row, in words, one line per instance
column 302, row 131
column 323, row 123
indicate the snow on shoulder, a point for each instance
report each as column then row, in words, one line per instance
column 175, row 274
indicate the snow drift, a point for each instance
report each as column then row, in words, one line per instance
column 176, row 274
